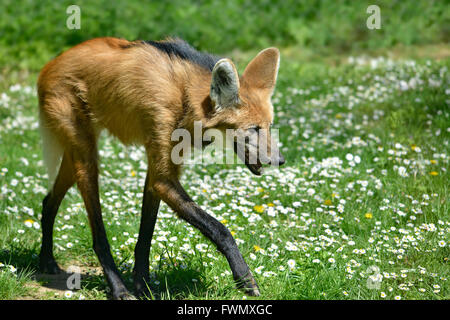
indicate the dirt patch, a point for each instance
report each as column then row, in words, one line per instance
column 48, row 287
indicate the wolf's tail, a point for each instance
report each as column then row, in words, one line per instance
column 52, row 151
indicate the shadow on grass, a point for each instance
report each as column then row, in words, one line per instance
column 177, row 283
column 170, row 283
column 26, row 261
column 23, row 259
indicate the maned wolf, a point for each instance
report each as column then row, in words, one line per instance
column 142, row 91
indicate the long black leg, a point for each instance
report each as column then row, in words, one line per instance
column 176, row 197
column 150, row 206
column 50, row 206
column 86, row 175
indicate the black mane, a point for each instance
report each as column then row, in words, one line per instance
column 182, row 50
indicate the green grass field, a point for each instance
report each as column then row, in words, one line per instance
column 359, row 211
column 31, row 31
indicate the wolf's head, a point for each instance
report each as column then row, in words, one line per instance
column 244, row 105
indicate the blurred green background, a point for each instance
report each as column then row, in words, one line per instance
column 33, row 31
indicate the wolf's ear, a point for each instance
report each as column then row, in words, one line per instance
column 224, row 84
column 262, row 71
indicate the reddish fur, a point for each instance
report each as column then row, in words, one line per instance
column 139, row 95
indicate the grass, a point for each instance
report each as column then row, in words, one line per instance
column 31, row 32
column 365, row 188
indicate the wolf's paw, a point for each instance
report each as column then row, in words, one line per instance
column 248, row 285
column 49, row 266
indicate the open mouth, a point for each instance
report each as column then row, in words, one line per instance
column 255, row 168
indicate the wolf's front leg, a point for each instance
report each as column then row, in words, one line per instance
column 150, row 206
column 171, row 192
